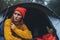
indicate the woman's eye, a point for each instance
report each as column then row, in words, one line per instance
column 19, row 14
column 15, row 13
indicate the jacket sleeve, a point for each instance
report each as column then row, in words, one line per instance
column 7, row 31
column 26, row 34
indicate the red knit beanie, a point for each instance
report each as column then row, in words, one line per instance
column 21, row 10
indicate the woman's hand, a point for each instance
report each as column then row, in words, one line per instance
column 12, row 26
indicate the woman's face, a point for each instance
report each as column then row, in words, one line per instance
column 17, row 16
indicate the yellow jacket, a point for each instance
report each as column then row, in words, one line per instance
column 26, row 34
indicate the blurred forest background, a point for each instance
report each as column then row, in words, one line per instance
column 54, row 5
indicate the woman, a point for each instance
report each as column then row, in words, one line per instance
column 14, row 28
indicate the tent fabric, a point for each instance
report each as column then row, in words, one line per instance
column 36, row 18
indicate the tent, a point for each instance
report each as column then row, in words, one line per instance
column 36, row 18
